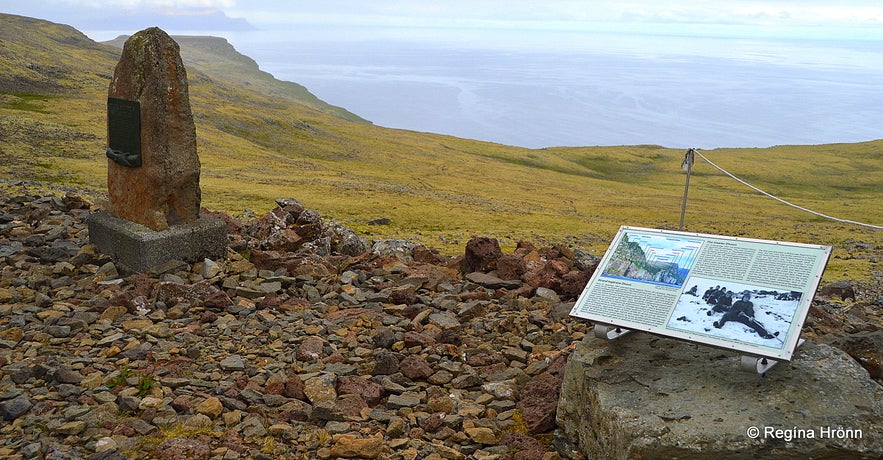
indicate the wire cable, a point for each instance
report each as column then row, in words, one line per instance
column 696, row 151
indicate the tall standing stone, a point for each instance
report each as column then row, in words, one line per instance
column 164, row 190
column 152, row 168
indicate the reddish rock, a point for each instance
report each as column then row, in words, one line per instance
column 219, row 300
column 234, row 226
column 510, row 267
column 124, row 300
column 482, row 253
column 560, row 266
column 403, row 295
column 311, row 349
column 426, row 255
column 183, row 449
column 484, row 359
column 415, row 367
column 170, row 293
column 270, row 300
column 182, row 404
column 546, row 276
column 356, row 385
column 351, row 405
column 573, row 283
column 414, row 338
column 432, row 423
column 309, row 225
column 522, row 447
column 292, row 206
column 285, row 239
column 164, row 190
column 275, row 385
column 539, row 402
column 266, row 225
column 524, row 247
column 294, row 388
column 142, row 284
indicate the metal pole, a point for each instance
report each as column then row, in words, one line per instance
column 688, row 165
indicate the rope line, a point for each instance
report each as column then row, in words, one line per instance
column 696, row 151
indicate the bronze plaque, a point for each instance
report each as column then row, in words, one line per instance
column 124, row 132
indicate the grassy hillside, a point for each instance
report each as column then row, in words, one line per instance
column 261, row 139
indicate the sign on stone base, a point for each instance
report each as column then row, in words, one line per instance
column 740, row 294
column 137, row 249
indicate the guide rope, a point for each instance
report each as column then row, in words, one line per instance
column 696, row 151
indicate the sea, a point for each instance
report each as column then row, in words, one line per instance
column 539, row 89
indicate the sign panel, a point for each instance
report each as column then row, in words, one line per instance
column 742, row 294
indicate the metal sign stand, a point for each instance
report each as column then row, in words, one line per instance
column 759, row 364
column 609, row 332
column 756, row 364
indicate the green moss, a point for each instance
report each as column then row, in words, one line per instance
column 28, row 102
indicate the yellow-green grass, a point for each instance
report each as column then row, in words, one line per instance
column 263, row 142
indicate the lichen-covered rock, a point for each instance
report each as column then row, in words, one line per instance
column 646, row 397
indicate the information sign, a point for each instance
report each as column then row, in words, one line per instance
column 743, row 294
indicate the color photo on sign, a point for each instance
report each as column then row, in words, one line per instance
column 660, row 259
column 743, row 294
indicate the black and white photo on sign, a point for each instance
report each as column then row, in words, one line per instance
column 737, row 312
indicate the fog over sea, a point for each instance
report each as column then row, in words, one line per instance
column 541, row 89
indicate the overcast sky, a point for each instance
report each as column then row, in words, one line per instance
column 783, row 18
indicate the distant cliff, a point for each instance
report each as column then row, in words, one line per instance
column 630, row 261
column 215, row 56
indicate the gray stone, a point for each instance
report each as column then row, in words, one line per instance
column 393, row 248
column 232, row 363
column 492, row 282
column 15, row 407
column 646, row 397
column 399, row 401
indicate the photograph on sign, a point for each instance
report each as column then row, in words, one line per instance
column 736, row 311
column 744, row 294
column 659, row 259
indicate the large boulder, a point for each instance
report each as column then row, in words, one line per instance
column 641, row 396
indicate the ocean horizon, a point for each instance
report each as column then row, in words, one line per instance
column 538, row 90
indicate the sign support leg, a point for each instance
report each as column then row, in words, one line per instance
column 609, row 332
column 760, row 365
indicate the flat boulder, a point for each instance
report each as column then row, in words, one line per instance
column 641, row 396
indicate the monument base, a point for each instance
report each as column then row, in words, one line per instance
column 136, row 248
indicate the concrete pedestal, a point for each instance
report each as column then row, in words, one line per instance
column 136, row 248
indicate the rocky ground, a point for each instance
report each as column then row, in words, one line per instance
column 305, row 342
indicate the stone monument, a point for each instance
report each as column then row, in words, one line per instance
column 152, row 165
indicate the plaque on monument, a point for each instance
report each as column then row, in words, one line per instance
column 742, row 294
column 124, row 132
